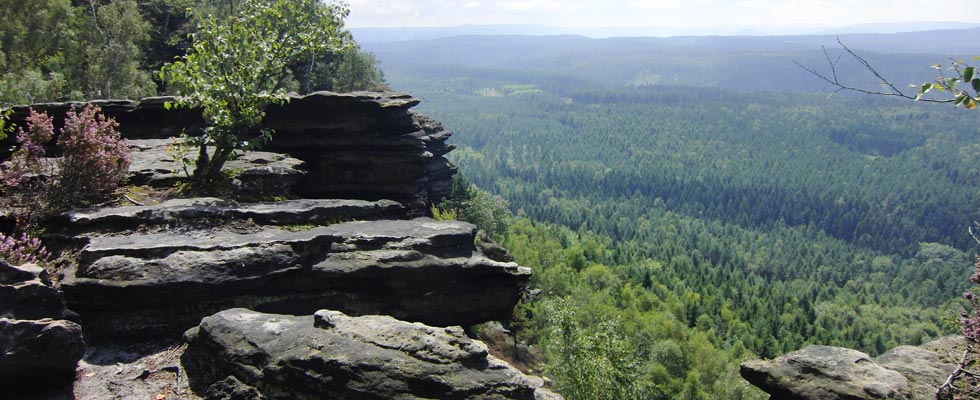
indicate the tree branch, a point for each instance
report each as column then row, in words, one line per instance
column 946, row 390
column 833, row 81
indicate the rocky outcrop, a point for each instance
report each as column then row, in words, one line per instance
column 824, row 372
column 240, row 353
column 365, row 145
column 187, row 259
column 37, row 345
column 262, row 274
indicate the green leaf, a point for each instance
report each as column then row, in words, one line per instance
column 968, row 74
column 970, row 104
column 976, row 84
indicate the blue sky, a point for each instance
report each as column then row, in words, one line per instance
column 667, row 13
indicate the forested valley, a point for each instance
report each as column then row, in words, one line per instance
column 692, row 227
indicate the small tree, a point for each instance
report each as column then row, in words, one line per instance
column 594, row 362
column 238, row 65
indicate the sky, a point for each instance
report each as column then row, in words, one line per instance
column 668, row 13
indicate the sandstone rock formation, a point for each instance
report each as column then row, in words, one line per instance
column 191, row 258
column 364, row 145
column 824, row 372
column 240, row 353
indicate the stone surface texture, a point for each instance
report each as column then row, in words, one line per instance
column 37, row 345
column 823, row 372
column 248, row 282
column 332, row 355
column 185, row 259
column 158, row 163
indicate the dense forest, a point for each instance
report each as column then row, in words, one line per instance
column 707, row 225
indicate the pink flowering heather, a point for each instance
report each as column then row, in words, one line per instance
column 970, row 320
column 94, row 159
column 21, row 250
column 28, row 159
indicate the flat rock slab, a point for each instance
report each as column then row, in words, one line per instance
column 332, row 355
column 162, row 282
column 826, row 373
column 188, row 211
column 258, row 173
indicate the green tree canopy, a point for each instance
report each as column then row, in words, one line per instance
column 239, row 64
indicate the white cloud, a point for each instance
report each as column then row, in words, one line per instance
column 472, row 4
column 527, row 5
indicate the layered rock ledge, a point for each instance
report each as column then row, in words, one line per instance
column 38, row 345
column 180, row 262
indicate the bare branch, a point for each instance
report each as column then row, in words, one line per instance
column 834, row 82
column 973, row 234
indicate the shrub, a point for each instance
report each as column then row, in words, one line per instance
column 94, row 160
column 93, row 164
column 28, row 159
column 22, row 249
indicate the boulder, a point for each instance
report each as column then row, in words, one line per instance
column 38, row 352
column 826, row 373
column 239, row 353
column 926, row 366
column 38, row 348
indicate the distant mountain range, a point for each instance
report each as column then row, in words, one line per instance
column 732, row 62
column 366, row 35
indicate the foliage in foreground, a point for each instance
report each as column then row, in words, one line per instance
column 114, row 48
column 92, row 164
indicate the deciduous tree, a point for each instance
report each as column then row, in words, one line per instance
column 238, row 65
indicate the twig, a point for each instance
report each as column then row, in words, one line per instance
column 946, row 390
column 130, row 199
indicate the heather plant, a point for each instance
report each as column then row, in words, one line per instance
column 963, row 382
column 93, row 163
column 22, row 249
column 94, row 160
column 28, row 159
